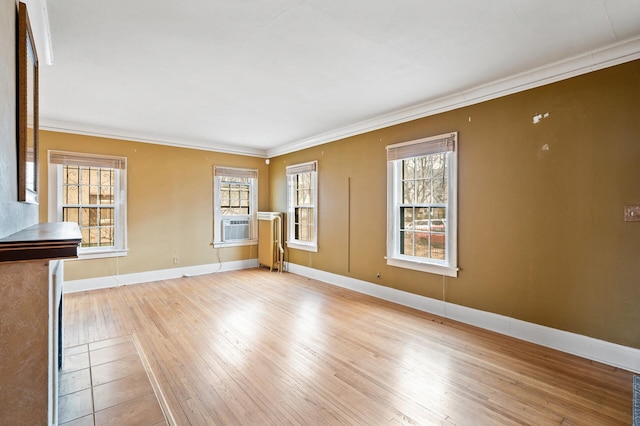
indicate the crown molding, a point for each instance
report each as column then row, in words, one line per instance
column 615, row 54
column 39, row 20
column 111, row 133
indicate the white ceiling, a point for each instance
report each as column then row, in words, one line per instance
column 263, row 77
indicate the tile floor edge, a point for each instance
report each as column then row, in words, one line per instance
column 154, row 382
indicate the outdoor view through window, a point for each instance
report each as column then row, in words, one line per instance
column 423, row 212
column 88, row 199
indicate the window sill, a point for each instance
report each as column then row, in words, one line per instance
column 221, row 244
column 431, row 268
column 100, row 254
column 302, row 246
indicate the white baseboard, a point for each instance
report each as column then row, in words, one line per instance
column 609, row 353
column 149, row 276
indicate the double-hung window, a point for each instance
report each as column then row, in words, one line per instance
column 302, row 202
column 235, row 206
column 91, row 191
column 422, row 203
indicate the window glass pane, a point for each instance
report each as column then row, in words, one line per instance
column 235, row 198
column 421, row 167
column 406, row 218
column 305, row 180
column 84, row 176
column 235, row 195
column 422, row 215
column 106, row 194
column 70, row 194
column 106, row 236
column 70, row 214
column 422, row 192
column 93, row 217
column 106, row 177
column 84, row 194
column 70, row 175
column 94, row 237
column 422, row 228
column 408, row 169
column 85, row 237
column 406, row 243
column 301, row 199
column 408, row 191
column 439, row 186
column 94, row 176
column 106, row 217
column 89, row 187
column 94, row 191
column 310, row 220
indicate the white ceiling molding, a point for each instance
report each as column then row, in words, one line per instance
column 594, row 60
column 39, row 19
column 109, row 133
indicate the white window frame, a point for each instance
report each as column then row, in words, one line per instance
column 447, row 143
column 218, row 217
column 56, row 160
column 291, row 172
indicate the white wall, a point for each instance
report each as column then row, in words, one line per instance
column 14, row 216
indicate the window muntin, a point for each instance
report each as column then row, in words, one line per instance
column 303, row 207
column 88, row 199
column 423, row 210
column 422, row 205
column 235, row 196
column 302, row 194
column 90, row 190
column 235, row 199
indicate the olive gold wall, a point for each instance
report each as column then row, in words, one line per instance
column 541, row 233
column 169, row 204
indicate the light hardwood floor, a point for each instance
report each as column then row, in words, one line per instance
column 257, row 347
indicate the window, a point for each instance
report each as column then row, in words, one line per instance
column 91, row 191
column 422, row 202
column 235, row 206
column 302, row 200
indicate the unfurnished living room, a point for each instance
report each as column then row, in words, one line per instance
column 319, row 212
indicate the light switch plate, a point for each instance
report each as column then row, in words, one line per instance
column 632, row 213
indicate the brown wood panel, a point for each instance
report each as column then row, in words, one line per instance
column 254, row 347
column 42, row 241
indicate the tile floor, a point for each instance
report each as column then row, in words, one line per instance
column 105, row 383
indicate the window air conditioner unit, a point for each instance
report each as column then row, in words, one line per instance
column 235, row 229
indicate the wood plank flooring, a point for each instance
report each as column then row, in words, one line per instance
column 256, row 347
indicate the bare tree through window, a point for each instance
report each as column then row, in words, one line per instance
column 423, row 208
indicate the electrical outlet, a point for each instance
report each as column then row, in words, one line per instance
column 175, row 261
column 632, row 213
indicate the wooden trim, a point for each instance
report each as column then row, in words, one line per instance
column 42, row 241
column 609, row 353
column 27, row 101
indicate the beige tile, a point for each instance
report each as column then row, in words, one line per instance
column 75, row 350
column 82, row 421
column 112, row 353
column 121, row 390
column 75, row 362
column 142, row 411
column 115, row 370
column 74, row 381
column 75, row 405
column 109, row 342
